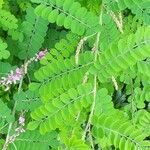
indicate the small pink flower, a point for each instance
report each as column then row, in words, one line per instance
column 40, row 55
column 21, row 120
column 12, row 78
column 19, row 71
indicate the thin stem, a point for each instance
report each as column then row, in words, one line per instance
column 14, row 145
column 91, row 139
column 115, row 83
column 3, row 126
column 119, row 24
column 92, row 108
column 78, row 115
column 66, row 13
column 80, row 46
column 28, row 78
column 133, row 107
column 13, row 113
column 96, row 47
column 117, row 20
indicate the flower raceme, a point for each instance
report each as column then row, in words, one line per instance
column 18, row 74
column 12, row 78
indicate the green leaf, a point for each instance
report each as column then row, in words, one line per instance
column 33, row 125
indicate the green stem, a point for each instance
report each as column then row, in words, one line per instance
column 133, row 105
column 87, row 128
column 13, row 113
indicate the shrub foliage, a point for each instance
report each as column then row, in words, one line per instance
column 84, row 77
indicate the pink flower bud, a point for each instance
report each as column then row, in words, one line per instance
column 21, row 120
column 40, row 55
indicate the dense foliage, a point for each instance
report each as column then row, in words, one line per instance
column 75, row 74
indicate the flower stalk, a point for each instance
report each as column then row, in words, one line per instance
column 14, row 76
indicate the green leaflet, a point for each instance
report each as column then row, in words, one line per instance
column 121, row 134
column 63, row 49
column 16, row 34
column 143, row 121
column 144, row 68
column 59, row 76
column 5, row 68
column 5, row 112
column 53, row 36
column 33, row 140
column 127, row 53
column 138, row 7
column 101, row 102
column 74, row 144
column 141, row 96
column 33, row 125
column 69, row 14
column 4, row 54
column 34, row 29
column 7, row 20
column 129, row 74
column 109, row 32
column 1, row 3
column 92, row 5
column 10, row 23
column 104, row 102
column 54, row 113
column 27, row 100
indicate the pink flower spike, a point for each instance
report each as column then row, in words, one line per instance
column 18, row 74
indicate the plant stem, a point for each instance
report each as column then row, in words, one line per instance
column 133, row 105
column 3, row 126
column 13, row 113
column 96, row 47
column 78, row 115
column 91, row 138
